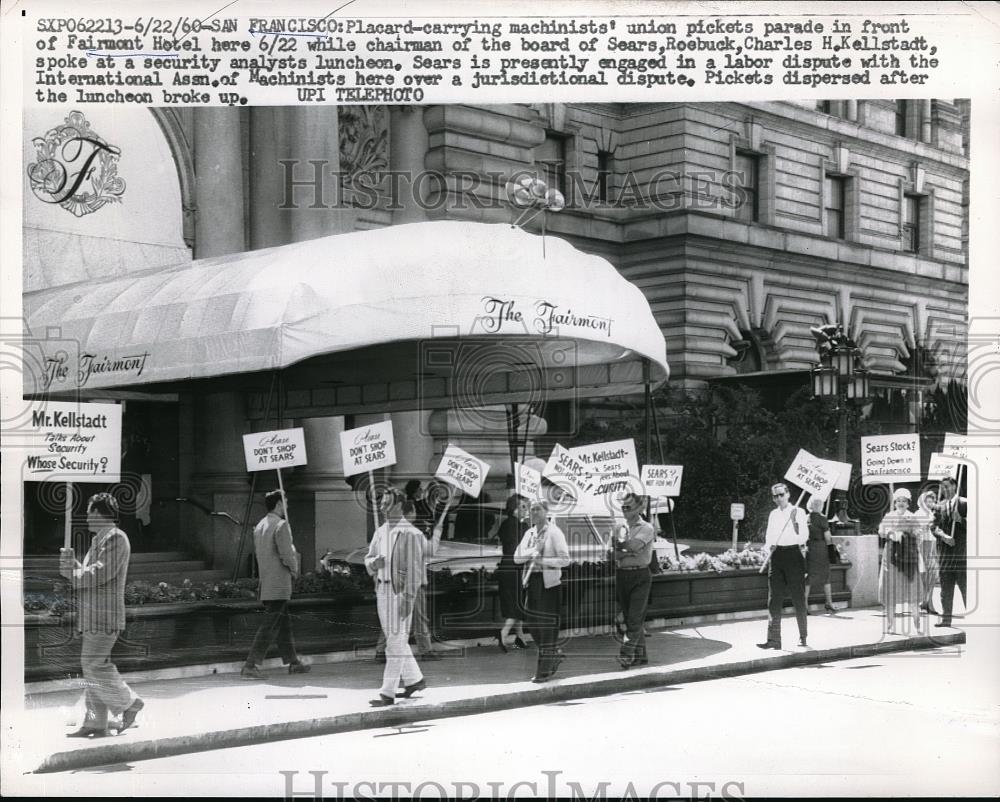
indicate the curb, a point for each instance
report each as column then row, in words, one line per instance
column 605, row 686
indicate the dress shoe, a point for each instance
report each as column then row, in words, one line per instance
column 299, row 667
column 519, row 644
column 409, row 690
column 802, row 643
column 929, row 608
column 769, row 645
column 641, row 661
column 429, row 656
column 500, row 643
column 943, row 623
column 250, row 672
column 829, row 608
column 89, row 732
column 129, row 714
column 382, row 701
column 542, row 677
column 625, row 662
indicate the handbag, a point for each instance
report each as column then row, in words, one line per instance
column 832, row 554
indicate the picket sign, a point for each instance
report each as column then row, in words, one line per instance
column 281, row 448
column 366, row 449
column 812, row 475
column 890, row 458
column 943, row 466
column 77, row 442
column 661, row 481
column 462, row 470
column 527, row 481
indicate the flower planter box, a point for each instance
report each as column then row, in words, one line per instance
column 676, row 594
column 190, row 633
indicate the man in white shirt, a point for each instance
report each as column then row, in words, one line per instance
column 395, row 560
column 787, row 535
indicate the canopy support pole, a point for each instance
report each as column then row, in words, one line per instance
column 670, row 502
column 245, row 526
column 513, row 424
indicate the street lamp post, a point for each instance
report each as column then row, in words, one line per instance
column 840, row 375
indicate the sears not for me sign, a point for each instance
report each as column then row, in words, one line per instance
column 283, row 448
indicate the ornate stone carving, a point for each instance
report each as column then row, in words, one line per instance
column 364, row 141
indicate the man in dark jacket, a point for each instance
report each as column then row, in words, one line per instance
column 950, row 517
column 278, row 565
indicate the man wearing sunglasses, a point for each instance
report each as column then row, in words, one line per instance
column 633, row 550
column 786, row 537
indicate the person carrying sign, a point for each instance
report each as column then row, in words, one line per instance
column 633, row 551
column 396, row 561
column 100, row 582
column 544, row 553
column 510, row 532
column 818, row 554
column 422, row 517
column 786, row 536
column 278, row 566
column 899, row 576
column 950, row 527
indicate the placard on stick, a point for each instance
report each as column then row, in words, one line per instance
column 612, row 466
column 462, row 470
column 943, row 466
column 812, row 475
column 890, row 458
column 282, row 448
column 76, row 443
column 955, row 445
column 568, row 472
column 367, row 448
column 661, row 481
column 527, row 481
column 842, row 471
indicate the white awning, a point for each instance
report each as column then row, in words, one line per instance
column 355, row 308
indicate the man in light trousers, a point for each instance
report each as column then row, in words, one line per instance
column 395, row 560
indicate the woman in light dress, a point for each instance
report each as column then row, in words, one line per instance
column 902, row 565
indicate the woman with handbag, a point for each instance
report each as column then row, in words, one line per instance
column 508, row 576
column 899, row 577
column 818, row 555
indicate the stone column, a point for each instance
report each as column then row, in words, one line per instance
column 218, row 182
column 221, row 481
column 408, row 144
column 852, row 110
column 326, row 517
column 269, row 223
column 213, row 463
column 925, row 121
column 314, row 147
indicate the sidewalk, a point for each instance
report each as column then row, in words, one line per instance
column 217, row 711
